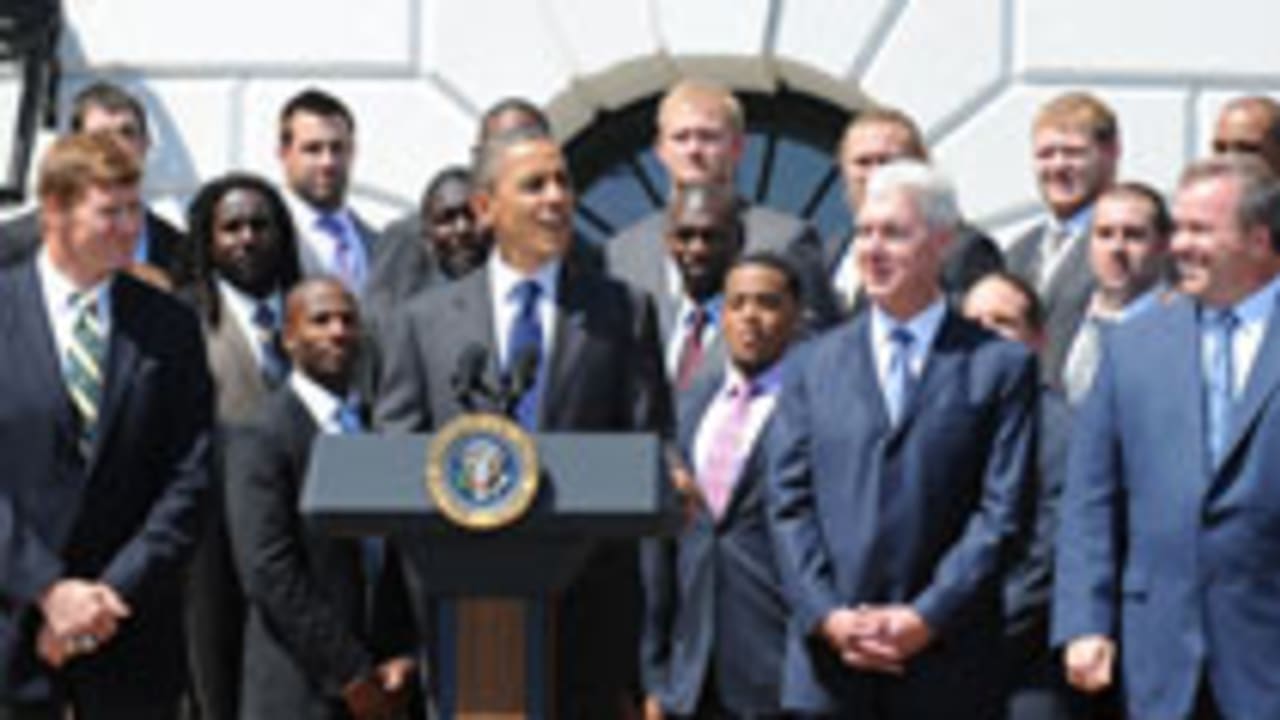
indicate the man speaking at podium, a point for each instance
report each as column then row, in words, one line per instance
column 590, row 349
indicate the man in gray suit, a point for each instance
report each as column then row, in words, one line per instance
column 1076, row 148
column 700, row 140
column 317, row 147
column 594, row 344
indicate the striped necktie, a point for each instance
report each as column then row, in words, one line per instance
column 86, row 351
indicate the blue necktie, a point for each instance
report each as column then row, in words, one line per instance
column 898, row 381
column 525, row 336
column 1219, row 395
column 274, row 364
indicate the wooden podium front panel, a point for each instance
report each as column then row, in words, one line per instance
column 493, row 651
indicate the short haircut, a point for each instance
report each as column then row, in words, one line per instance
column 196, row 271
column 313, row 101
column 706, row 93
column 1261, row 103
column 1081, row 112
column 932, row 192
column 513, row 105
column 885, row 115
column 1259, row 191
column 773, row 261
column 1034, row 314
column 721, row 198
column 451, row 173
column 78, row 161
column 1161, row 218
column 106, row 96
column 489, row 154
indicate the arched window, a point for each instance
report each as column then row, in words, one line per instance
column 788, row 163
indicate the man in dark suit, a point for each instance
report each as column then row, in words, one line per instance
column 105, row 412
column 243, row 262
column 899, row 457
column 1170, row 520
column 700, row 140
column 716, row 619
column 1076, row 149
column 317, row 149
column 873, row 138
column 103, row 107
column 1006, row 305
column 599, row 368
column 311, row 651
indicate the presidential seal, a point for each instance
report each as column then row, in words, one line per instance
column 482, row 471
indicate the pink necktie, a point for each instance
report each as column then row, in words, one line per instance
column 724, row 459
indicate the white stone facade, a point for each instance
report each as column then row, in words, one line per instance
column 418, row 72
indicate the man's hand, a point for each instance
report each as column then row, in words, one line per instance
column 1090, row 661
column 395, row 676
column 365, row 699
column 903, row 628
column 81, row 612
column 652, row 708
column 686, row 487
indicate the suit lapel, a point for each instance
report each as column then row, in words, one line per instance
column 474, row 324
column 1264, row 378
column 942, row 363
column 28, row 318
column 122, row 357
column 570, row 339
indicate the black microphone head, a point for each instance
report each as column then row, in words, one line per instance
column 524, row 370
column 469, row 374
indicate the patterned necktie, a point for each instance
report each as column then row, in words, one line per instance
column 274, row 365
column 724, row 459
column 898, row 381
column 86, row 351
column 1220, row 379
column 525, row 337
column 344, row 252
column 691, row 350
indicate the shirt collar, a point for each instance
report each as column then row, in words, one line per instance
column 62, row 295
column 923, row 325
column 1075, row 226
column 1257, row 306
column 244, row 304
column 505, row 277
column 766, row 382
column 309, row 215
column 711, row 307
column 322, row 404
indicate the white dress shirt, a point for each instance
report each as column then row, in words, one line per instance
column 1253, row 314
column 768, row 385
column 923, row 327
column 322, row 405
column 322, row 244
column 242, row 307
column 506, row 305
column 62, row 302
column 684, row 318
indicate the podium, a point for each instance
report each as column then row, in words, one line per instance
column 495, row 643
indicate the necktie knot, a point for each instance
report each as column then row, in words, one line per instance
column 264, row 317
column 347, row 417
column 526, row 294
column 902, row 338
column 1225, row 320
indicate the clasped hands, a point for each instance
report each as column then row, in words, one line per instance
column 876, row 638
column 80, row 616
column 382, row 693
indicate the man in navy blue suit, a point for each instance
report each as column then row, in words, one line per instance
column 1169, row 542
column 105, row 413
column 716, row 618
column 898, row 462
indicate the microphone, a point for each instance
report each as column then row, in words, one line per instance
column 523, row 375
column 468, row 378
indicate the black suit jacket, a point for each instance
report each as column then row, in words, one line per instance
column 972, row 254
column 127, row 515
column 20, row 236
column 714, row 602
column 604, row 374
column 308, row 631
column 1065, row 299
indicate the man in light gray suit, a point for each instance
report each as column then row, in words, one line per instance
column 700, row 140
column 1076, row 148
column 317, row 147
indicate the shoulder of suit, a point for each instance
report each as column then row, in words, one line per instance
column 634, row 241
column 159, row 227
column 768, row 228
